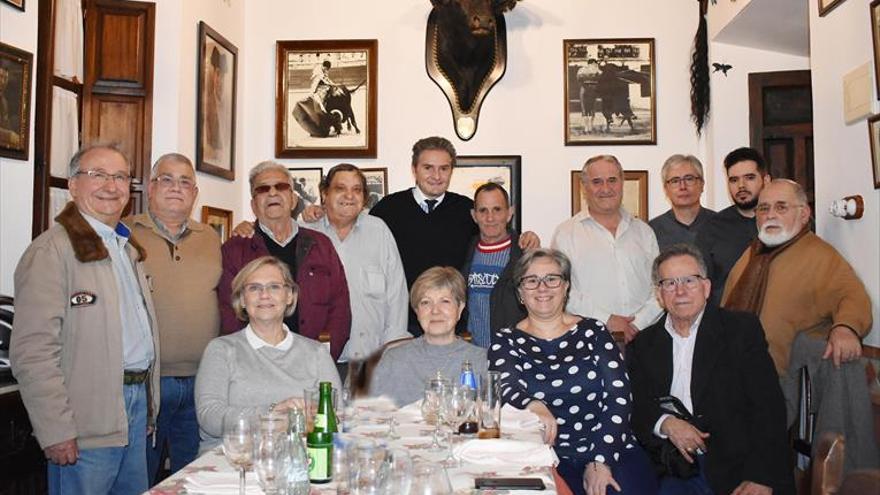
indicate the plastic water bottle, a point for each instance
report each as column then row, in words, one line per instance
column 298, row 466
column 467, row 377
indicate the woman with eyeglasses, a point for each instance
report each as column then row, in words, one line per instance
column 569, row 372
column 262, row 365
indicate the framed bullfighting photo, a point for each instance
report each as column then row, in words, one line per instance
column 635, row 193
column 307, row 186
column 215, row 113
column 475, row 170
column 325, row 99
column 19, row 4
column 219, row 219
column 16, row 68
column 610, row 91
column 875, row 37
column 826, row 6
column 874, row 138
column 377, row 186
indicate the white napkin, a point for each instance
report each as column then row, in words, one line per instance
column 520, row 419
column 376, row 404
column 504, row 452
column 220, row 483
column 410, row 412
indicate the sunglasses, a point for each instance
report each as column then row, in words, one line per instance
column 265, row 188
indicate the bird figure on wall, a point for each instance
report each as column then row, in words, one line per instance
column 722, row 67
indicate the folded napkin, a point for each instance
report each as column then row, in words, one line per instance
column 375, row 404
column 220, row 483
column 504, row 452
column 520, row 419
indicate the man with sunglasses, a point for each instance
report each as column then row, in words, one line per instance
column 323, row 306
column 796, row 282
column 683, row 183
column 707, row 404
column 85, row 346
column 183, row 266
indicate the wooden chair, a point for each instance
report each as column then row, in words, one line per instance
column 827, row 470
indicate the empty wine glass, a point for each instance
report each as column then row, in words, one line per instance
column 238, row 444
column 430, row 479
column 271, row 461
column 400, row 472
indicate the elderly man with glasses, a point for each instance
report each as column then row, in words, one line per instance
column 707, row 405
column 183, row 267
column 683, row 183
column 323, row 307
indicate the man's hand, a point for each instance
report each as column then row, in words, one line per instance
column 685, row 436
column 751, row 488
column 63, row 453
column 547, row 420
column 597, row 478
column 843, row 346
column 244, row 229
column 623, row 324
column 529, row 240
column 312, row 213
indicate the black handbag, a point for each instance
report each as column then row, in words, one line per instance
column 671, row 460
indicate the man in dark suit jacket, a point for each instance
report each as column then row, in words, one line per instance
column 717, row 364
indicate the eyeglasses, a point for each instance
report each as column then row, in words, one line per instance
column 689, row 282
column 688, row 180
column 274, row 289
column 279, row 187
column 781, row 208
column 532, row 282
column 102, row 177
column 167, row 181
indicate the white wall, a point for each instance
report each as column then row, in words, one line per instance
column 18, row 29
column 840, row 42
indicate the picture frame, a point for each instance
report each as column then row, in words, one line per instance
column 857, row 100
column 18, row 4
column 219, row 219
column 16, row 69
column 215, row 104
column 307, row 186
column 826, row 6
column 635, row 193
column 875, row 38
column 874, row 139
column 472, row 171
column 377, row 186
column 610, row 94
column 321, row 110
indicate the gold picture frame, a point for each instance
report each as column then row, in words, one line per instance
column 219, row 219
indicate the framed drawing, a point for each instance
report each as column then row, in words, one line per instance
column 306, row 185
column 875, row 37
column 635, row 193
column 475, row 170
column 826, row 6
column 219, row 219
column 857, row 101
column 16, row 68
column 610, row 91
column 215, row 112
column 19, row 4
column 874, row 137
column 325, row 100
column 377, row 185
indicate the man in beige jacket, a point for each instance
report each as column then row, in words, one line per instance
column 85, row 350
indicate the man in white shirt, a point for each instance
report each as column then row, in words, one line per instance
column 611, row 253
column 732, row 435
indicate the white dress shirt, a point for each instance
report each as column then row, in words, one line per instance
column 682, row 366
column 421, row 199
column 256, row 342
column 610, row 274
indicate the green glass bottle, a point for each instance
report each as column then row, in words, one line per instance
column 319, row 441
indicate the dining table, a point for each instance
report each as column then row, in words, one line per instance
column 519, row 453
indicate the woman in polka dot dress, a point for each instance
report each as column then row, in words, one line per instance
column 568, row 371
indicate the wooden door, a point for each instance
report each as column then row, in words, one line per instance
column 781, row 124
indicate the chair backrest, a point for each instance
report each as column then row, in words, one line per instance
column 861, row 482
column 828, row 464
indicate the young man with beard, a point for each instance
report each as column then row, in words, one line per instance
column 724, row 238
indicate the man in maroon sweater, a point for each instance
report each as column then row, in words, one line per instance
column 323, row 305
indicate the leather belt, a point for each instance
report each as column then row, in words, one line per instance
column 134, row 377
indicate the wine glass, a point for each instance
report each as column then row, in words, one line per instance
column 271, row 462
column 238, row 444
column 430, row 479
column 400, row 471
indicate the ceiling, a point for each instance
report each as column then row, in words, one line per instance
column 775, row 25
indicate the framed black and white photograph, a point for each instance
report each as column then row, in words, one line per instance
column 875, row 38
column 325, row 101
column 475, row 170
column 16, row 69
column 610, row 91
column 306, row 185
column 635, row 193
column 19, row 4
column 377, row 185
column 826, row 6
column 215, row 114
column 874, row 137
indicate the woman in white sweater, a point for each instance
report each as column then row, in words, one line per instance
column 263, row 364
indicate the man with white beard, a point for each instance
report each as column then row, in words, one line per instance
column 796, row 282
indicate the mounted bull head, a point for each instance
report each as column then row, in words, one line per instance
column 466, row 54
